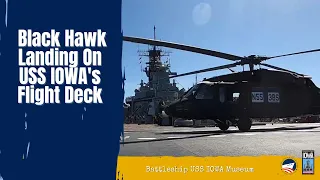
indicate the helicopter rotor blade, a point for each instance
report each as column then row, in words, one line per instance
column 291, row 54
column 182, row 47
column 280, row 69
column 207, row 70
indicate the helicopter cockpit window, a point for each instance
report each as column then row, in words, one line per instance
column 205, row 92
column 191, row 91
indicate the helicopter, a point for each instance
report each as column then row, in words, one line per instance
column 239, row 97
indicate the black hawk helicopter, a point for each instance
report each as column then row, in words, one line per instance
column 237, row 98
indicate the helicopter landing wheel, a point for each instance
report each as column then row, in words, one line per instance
column 224, row 125
column 244, row 124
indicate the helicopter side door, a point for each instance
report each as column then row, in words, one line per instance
column 229, row 101
column 204, row 101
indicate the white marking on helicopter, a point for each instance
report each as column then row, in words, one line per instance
column 215, row 82
column 147, row 138
column 257, row 97
column 273, row 97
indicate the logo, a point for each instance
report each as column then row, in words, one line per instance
column 307, row 162
column 289, row 166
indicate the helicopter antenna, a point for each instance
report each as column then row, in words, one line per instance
column 196, row 78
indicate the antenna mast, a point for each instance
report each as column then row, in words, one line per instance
column 154, row 36
column 154, row 65
column 154, row 32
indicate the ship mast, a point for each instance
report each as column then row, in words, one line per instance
column 158, row 88
column 154, row 66
column 154, row 32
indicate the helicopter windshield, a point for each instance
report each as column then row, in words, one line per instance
column 191, row 91
column 205, row 92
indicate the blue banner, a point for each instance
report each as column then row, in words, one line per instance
column 63, row 136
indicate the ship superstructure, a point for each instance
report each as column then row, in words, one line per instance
column 144, row 104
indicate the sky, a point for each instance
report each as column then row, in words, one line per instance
column 239, row 27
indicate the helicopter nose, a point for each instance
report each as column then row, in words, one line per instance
column 169, row 110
